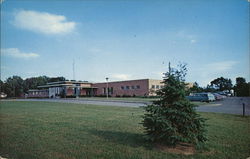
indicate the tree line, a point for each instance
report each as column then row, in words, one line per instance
column 15, row 86
column 241, row 88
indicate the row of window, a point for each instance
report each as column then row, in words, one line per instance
column 157, row 86
column 110, row 90
column 39, row 93
column 130, row 87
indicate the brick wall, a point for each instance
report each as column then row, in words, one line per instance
column 125, row 87
column 154, row 85
column 69, row 91
column 83, row 91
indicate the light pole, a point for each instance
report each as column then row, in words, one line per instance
column 107, row 90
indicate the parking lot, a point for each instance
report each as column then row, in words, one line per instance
column 230, row 105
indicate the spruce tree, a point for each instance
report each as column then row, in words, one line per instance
column 173, row 119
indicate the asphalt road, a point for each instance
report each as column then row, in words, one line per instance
column 88, row 101
column 230, row 105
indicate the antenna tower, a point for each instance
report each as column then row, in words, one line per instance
column 73, row 69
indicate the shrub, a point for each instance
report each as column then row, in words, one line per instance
column 102, row 95
column 125, row 95
column 70, row 96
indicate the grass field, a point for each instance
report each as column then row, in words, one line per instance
column 45, row 130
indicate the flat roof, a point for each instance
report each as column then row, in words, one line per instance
column 89, row 87
column 55, row 85
column 59, row 85
column 38, row 90
column 129, row 80
column 73, row 82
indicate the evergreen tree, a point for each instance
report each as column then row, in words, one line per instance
column 173, row 119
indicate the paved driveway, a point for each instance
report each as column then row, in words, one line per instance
column 231, row 105
column 87, row 101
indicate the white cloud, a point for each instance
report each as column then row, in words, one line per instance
column 156, row 75
column 186, row 36
column 15, row 52
column 205, row 74
column 1, row 1
column 221, row 66
column 43, row 22
column 95, row 50
column 121, row 77
column 4, row 67
column 192, row 41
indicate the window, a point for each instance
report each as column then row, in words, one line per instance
column 104, row 90
column 127, row 87
column 138, row 87
column 153, row 86
column 122, row 87
column 111, row 90
column 162, row 87
column 132, row 87
column 157, row 87
column 75, row 91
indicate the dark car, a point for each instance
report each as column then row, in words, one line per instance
column 201, row 97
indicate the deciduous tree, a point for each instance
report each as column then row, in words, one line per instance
column 241, row 88
column 13, row 86
column 222, row 84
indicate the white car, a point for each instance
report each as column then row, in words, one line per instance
column 3, row 95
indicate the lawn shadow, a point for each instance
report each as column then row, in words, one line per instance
column 124, row 138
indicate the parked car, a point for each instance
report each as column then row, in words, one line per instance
column 218, row 96
column 3, row 95
column 201, row 97
column 225, row 93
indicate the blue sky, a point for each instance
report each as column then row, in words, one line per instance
column 125, row 39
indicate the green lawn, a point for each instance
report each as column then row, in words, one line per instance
column 45, row 130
